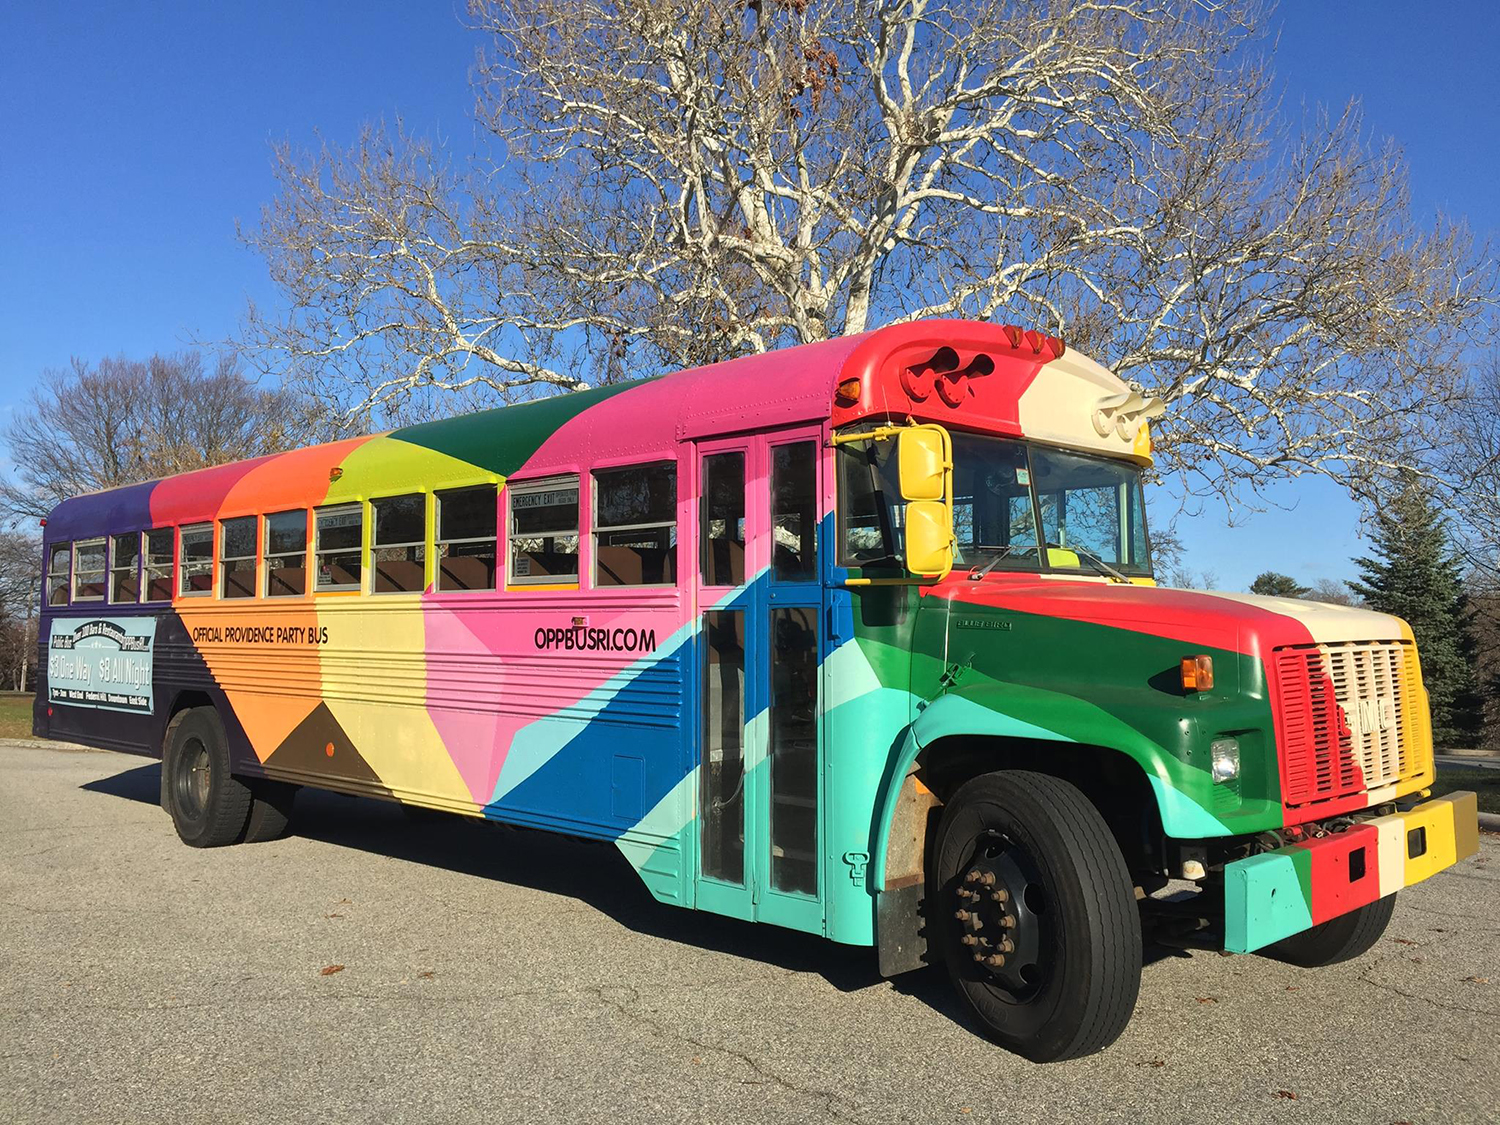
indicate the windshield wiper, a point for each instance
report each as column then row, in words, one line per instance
column 978, row 572
column 1099, row 564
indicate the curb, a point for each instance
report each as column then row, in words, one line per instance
column 1489, row 822
column 43, row 744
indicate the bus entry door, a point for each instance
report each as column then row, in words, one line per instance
column 760, row 615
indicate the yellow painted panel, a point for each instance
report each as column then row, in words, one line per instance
column 388, row 721
column 1437, row 818
column 1465, row 823
column 387, row 466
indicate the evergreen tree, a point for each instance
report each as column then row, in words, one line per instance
column 1278, row 585
column 1415, row 574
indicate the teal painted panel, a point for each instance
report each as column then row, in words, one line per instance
column 1263, row 901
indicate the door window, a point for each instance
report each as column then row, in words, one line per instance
column 794, row 511
column 723, row 820
column 794, row 749
column 724, row 519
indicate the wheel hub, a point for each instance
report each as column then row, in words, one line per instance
column 999, row 911
column 193, row 779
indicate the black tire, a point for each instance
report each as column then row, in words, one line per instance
column 270, row 810
column 209, row 805
column 1072, row 971
column 1338, row 939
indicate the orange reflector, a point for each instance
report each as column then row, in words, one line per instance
column 1197, row 673
column 849, row 390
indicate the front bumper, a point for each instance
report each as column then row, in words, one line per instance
column 1280, row 893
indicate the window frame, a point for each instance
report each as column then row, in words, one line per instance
column 514, row 488
column 437, row 542
column 423, row 543
column 181, row 559
column 146, row 569
column 74, row 596
column 675, row 524
column 358, row 508
column 66, row 575
column 113, row 569
column 267, row 554
column 221, row 559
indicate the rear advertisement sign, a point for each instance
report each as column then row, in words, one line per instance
column 102, row 662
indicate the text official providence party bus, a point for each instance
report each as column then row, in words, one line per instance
column 857, row 638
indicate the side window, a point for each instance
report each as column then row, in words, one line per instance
column 466, row 538
column 870, row 507
column 237, row 557
column 723, row 532
column 398, row 554
column 124, row 567
column 338, row 547
column 59, row 573
column 543, row 532
column 157, row 571
column 794, row 511
column 88, row 571
column 286, row 554
column 635, row 525
column 195, row 570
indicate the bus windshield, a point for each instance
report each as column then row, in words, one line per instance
column 1090, row 510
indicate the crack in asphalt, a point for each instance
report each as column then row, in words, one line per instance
column 630, row 1009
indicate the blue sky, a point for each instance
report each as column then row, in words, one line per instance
column 133, row 136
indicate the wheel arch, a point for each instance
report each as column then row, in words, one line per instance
column 956, row 739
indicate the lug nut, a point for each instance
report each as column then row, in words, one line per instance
column 1002, row 895
column 969, row 939
column 988, row 878
column 979, row 956
column 972, row 877
column 995, row 960
column 1007, row 946
column 1008, row 922
column 962, row 915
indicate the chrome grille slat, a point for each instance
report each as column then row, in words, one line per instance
column 1344, row 718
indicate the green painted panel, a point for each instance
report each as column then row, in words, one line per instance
column 500, row 441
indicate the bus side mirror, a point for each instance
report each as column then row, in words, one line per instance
column 924, row 458
column 929, row 538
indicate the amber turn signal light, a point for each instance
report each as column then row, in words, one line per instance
column 848, row 390
column 1197, row 673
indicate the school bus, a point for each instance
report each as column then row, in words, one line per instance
column 858, row 638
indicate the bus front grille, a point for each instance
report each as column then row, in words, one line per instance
column 1348, row 721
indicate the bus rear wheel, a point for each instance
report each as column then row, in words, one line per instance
column 209, row 806
column 1036, row 915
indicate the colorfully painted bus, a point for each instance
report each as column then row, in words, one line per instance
column 858, row 638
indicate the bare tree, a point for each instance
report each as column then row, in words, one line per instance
column 1333, row 592
column 122, row 421
column 675, row 181
column 1472, row 474
column 20, row 599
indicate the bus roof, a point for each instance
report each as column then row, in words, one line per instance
column 965, row 374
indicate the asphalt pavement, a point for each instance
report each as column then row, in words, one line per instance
column 370, row 968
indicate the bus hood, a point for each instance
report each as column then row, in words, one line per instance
column 1245, row 623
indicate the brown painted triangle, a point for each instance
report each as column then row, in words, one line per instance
column 306, row 751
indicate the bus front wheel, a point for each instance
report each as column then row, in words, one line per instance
column 209, row 806
column 1036, row 915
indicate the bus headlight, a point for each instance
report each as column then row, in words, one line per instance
column 1225, row 756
